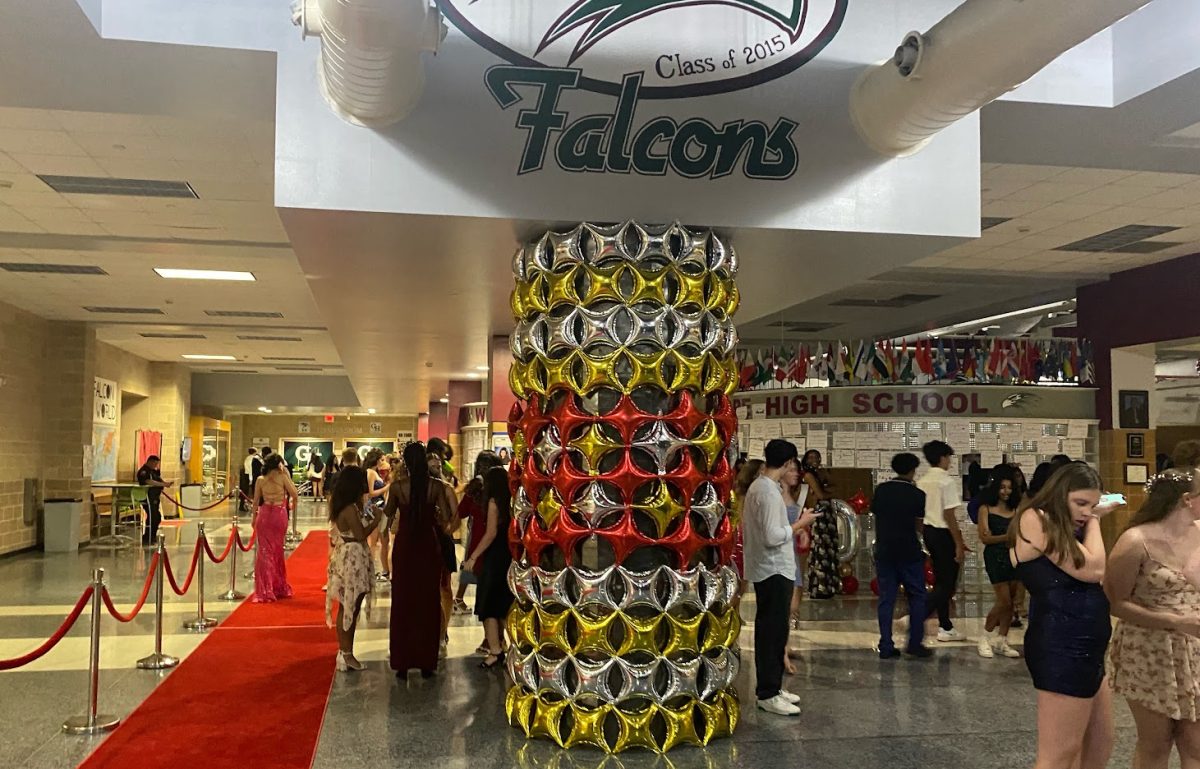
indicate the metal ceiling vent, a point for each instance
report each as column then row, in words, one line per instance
column 370, row 66
column 167, row 335
column 242, row 314
column 267, row 338
column 900, row 300
column 980, row 51
column 103, row 185
column 126, row 310
column 52, row 269
column 1130, row 239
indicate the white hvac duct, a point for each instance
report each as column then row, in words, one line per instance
column 370, row 68
column 979, row 52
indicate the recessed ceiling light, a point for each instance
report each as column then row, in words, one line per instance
column 473, row 375
column 182, row 274
column 209, row 357
column 264, row 409
column 443, row 400
column 481, row 368
column 370, row 411
column 988, row 328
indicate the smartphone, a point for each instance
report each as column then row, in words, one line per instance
column 1111, row 500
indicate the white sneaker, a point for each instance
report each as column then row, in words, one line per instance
column 779, row 706
column 985, row 648
column 946, row 636
column 792, row 698
column 1007, row 650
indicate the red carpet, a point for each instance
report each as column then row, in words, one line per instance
column 252, row 695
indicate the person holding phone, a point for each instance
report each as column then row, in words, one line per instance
column 1058, row 552
column 899, row 509
column 1154, row 660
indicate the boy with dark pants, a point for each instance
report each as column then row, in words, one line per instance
column 899, row 509
column 943, row 539
column 770, row 563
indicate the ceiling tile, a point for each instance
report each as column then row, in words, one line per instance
column 1158, row 179
column 1048, row 192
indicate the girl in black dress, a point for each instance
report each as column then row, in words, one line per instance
column 493, row 598
column 1059, row 555
column 824, row 567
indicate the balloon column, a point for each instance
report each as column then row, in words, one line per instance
column 624, row 631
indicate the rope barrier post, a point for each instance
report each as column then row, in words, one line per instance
column 200, row 623
column 158, row 660
column 91, row 722
column 232, row 593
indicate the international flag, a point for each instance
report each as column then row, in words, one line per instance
column 904, row 365
column 952, row 366
column 746, row 370
column 781, row 367
column 1012, row 368
column 969, row 371
column 798, row 367
column 880, row 370
column 995, row 360
column 924, row 358
column 939, row 362
column 844, row 365
column 1087, row 374
column 862, row 363
column 1070, row 364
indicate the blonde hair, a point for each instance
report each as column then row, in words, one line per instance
column 1052, row 502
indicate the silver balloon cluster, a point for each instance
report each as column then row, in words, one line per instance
column 616, row 588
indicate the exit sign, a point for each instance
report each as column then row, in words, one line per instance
column 329, row 419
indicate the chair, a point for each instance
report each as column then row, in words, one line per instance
column 137, row 506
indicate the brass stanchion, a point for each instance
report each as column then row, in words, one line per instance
column 158, row 660
column 200, row 623
column 293, row 538
column 232, row 593
column 91, row 722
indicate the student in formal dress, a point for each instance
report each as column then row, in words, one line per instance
column 275, row 498
column 1154, row 660
column 1058, row 552
column 998, row 504
column 351, row 577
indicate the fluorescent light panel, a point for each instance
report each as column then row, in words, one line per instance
column 1001, row 316
column 185, row 274
column 209, row 357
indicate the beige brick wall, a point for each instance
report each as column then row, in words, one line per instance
column 170, row 405
column 67, row 413
column 23, row 337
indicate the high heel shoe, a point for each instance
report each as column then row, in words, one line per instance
column 485, row 665
column 347, row 663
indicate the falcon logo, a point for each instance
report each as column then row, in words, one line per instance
column 682, row 48
column 1019, row 401
column 601, row 18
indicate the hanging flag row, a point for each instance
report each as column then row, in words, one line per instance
column 946, row 360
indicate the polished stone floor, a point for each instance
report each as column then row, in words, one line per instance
column 954, row 710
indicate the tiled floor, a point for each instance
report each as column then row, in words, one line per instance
column 955, row 710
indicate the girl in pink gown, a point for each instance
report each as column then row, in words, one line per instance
column 272, row 494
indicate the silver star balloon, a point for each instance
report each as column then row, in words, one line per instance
column 720, row 672
column 683, row 589
column 730, row 583
column 522, row 583
column 594, row 589
column 593, row 678
column 690, row 329
column 638, row 680
column 553, row 588
column 549, row 449
column 524, row 670
column 654, row 248
column 691, row 256
column 522, row 509
column 683, row 679
column 709, row 508
column 711, row 587
column 560, row 333
column 594, row 505
column 552, row 676
column 661, row 444
column 641, row 589
column 721, row 257
column 566, row 251
column 632, row 240
column 530, row 339
column 518, row 263
column 600, row 327
column 649, row 327
column 604, row 248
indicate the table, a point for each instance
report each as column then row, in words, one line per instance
column 113, row 540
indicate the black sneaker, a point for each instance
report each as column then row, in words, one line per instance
column 919, row 652
column 891, row 654
column 1016, row 622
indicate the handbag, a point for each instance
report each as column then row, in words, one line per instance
column 449, row 560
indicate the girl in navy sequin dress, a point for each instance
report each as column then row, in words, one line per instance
column 1059, row 556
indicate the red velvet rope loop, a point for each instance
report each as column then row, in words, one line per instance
column 182, row 506
column 247, row 547
column 225, row 554
column 50, row 643
column 191, row 572
column 112, row 609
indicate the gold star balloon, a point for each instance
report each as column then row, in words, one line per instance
column 622, row 332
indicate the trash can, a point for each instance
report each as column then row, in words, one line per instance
column 62, row 525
